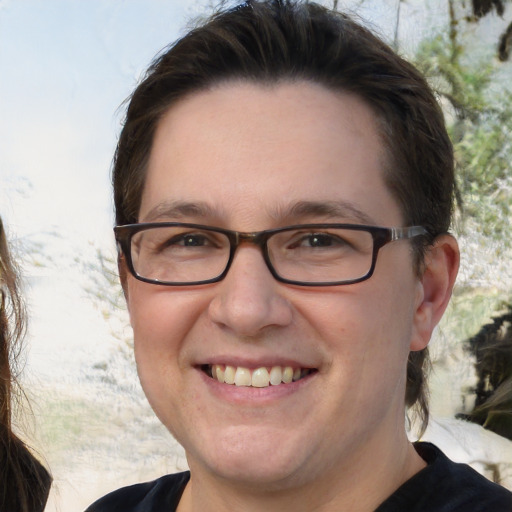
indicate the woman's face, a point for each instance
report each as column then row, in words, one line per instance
column 250, row 157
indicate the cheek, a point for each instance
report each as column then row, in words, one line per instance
column 160, row 314
column 364, row 326
column 161, row 319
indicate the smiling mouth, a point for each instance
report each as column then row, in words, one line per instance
column 258, row 378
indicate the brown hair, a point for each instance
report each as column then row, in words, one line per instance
column 275, row 40
column 24, row 482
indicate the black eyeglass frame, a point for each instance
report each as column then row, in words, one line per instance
column 380, row 235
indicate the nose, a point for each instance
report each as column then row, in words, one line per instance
column 248, row 299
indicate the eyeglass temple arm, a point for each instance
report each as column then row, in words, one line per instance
column 408, row 232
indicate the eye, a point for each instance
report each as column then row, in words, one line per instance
column 320, row 240
column 190, row 240
column 317, row 240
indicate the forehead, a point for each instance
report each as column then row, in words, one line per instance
column 252, row 150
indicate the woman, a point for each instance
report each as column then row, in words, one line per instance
column 25, row 483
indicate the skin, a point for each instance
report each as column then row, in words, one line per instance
column 247, row 154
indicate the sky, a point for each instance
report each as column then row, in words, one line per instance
column 67, row 66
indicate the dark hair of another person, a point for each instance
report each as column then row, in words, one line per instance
column 274, row 41
column 24, row 482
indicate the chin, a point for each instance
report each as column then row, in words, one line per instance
column 251, row 457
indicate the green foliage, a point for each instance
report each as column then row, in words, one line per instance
column 478, row 110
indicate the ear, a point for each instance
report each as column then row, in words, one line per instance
column 435, row 286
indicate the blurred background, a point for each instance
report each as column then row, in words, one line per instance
column 66, row 68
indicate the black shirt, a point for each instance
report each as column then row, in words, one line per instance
column 443, row 486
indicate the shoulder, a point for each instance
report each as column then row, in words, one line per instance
column 446, row 486
column 161, row 494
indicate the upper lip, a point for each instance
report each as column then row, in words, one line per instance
column 253, row 363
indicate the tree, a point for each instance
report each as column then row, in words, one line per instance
column 468, row 77
column 478, row 109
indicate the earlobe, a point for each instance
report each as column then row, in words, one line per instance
column 434, row 288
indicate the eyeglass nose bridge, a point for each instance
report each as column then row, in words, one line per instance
column 258, row 238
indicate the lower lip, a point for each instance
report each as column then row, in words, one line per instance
column 252, row 395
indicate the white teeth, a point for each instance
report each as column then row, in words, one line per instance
column 259, row 378
column 219, row 373
column 276, row 375
column 287, row 374
column 229, row 375
column 242, row 377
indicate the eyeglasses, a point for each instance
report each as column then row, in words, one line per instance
column 182, row 254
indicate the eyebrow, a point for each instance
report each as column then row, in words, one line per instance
column 295, row 212
column 179, row 210
column 338, row 209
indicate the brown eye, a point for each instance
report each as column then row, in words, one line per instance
column 192, row 240
column 316, row 240
column 321, row 240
